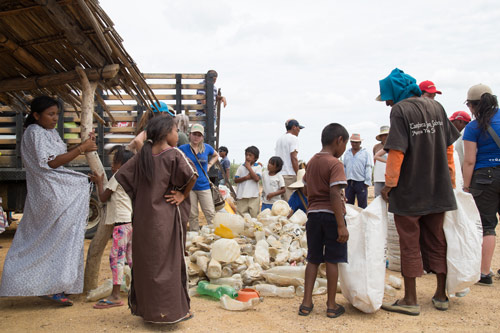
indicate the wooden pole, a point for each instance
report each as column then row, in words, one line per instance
column 59, row 79
column 104, row 231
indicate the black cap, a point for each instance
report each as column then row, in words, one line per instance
column 292, row 122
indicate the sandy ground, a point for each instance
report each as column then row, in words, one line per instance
column 477, row 312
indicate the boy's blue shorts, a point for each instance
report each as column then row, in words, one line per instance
column 322, row 245
column 264, row 206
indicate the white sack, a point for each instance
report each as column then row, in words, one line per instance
column 362, row 278
column 464, row 235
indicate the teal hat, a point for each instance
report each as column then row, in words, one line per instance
column 398, row 86
column 163, row 107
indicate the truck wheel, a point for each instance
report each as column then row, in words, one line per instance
column 96, row 214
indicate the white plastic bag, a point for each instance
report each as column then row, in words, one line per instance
column 362, row 279
column 225, row 250
column 464, row 236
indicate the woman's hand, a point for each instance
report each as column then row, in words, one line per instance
column 89, row 144
column 176, row 198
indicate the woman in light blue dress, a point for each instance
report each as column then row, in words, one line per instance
column 46, row 255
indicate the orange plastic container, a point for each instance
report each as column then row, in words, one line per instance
column 246, row 294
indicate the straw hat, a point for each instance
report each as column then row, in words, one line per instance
column 355, row 137
column 383, row 131
column 298, row 183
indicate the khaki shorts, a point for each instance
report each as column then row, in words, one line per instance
column 248, row 205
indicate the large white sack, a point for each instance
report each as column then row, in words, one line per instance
column 362, row 279
column 464, row 236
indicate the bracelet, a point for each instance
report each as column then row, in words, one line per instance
column 79, row 148
column 465, row 188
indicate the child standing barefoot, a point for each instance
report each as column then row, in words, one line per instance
column 325, row 228
column 119, row 213
column 159, row 279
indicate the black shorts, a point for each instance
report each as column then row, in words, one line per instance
column 322, row 245
column 485, row 188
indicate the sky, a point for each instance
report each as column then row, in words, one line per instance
column 316, row 61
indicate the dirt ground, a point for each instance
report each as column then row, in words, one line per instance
column 479, row 311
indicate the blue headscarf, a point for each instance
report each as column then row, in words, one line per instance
column 398, row 86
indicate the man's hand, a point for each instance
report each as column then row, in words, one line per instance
column 343, row 234
column 385, row 192
column 269, row 196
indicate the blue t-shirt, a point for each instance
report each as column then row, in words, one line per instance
column 295, row 203
column 226, row 164
column 488, row 153
column 202, row 182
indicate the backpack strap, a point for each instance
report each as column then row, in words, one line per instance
column 302, row 198
column 494, row 135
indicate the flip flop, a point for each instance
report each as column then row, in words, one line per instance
column 412, row 310
column 58, row 298
column 303, row 308
column 334, row 313
column 190, row 315
column 441, row 305
column 106, row 304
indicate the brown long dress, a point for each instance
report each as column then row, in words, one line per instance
column 159, row 281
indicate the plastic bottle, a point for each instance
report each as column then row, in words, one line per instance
column 104, row 290
column 272, row 290
column 395, row 282
column 216, row 291
column 233, row 305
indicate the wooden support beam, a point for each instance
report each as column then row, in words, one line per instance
column 104, row 231
column 59, row 79
column 74, row 34
column 22, row 56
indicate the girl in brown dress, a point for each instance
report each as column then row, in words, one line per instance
column 158, row 180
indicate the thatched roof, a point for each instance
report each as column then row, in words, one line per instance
column 43, row 41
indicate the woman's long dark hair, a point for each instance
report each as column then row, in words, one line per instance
column 38, row 105
column 485, row 109
column 157, row 130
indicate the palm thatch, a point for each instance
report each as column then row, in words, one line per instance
column 43, row 41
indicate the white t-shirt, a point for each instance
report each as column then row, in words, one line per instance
column 119, row 207
column 271, row 184
column 287, row 144
column 249, row 188
column 379, row 171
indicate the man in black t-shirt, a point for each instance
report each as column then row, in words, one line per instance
column 419, row 186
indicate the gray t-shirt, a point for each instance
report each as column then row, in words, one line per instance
column 422, row 131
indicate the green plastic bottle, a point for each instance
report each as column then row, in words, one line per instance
column 215, row 291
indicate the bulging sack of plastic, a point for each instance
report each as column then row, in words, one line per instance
column 261, row 255
column 230, row 304
column 231, row 221
column 280, row 208
column 104, row 290
column 362, row 279
column 265, row 289
column 464, row 236
column 225, row 250
column 299, row 217
column 282, row 280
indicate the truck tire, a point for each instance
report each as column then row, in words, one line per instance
column 96, row 214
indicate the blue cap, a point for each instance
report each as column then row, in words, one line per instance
column 163, row 108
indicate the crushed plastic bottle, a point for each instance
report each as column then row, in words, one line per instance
column 215, row 291
column 230, row 304
column 272, row 290
column 395, row 282
column 104, row 290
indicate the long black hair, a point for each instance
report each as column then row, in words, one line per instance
column 38, row 105
column 157, row 130
column 121, row 154
column 485, row 109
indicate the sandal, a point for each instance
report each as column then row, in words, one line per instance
column 190, row 315
column 303, row 308
column 441, row 305
column 58, row 298
column 412, row 310
column 106, row 304
column 334, row 313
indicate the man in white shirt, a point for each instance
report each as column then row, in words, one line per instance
column 287, row 148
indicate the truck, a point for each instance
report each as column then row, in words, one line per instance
column 117, row 125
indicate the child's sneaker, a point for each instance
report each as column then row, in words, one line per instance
column 485, row 280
